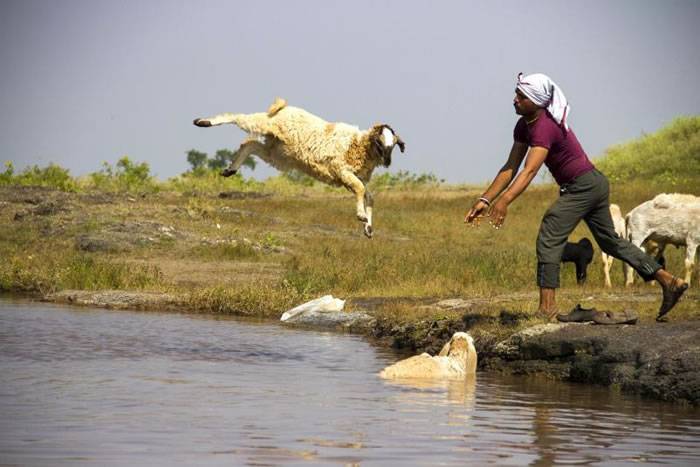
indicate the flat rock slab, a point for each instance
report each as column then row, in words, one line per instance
column 656, row 360
column 349, row 320
column 117, row 299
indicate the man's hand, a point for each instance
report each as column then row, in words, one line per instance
column 498, row 213
column 476, row 213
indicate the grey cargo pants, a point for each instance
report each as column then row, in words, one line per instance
column 586, row 197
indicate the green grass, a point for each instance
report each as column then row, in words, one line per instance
column 670, row 156
column 421, row 247
column 46, row 273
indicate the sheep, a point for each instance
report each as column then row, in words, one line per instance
column 667, row 219
column 581, row 254
column 650, row 246
column 456, row 360
column 621, row 231
column 334, row 153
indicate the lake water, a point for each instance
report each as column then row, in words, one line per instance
column 97, row 387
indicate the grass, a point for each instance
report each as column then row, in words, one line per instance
column 670, row 156
column 271, row 245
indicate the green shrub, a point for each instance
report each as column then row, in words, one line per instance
column 403, row 180
column 125, row 176
column 52, row 176
column 670, row 157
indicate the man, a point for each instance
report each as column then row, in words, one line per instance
column 542, row 135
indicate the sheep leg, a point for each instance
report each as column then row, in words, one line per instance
column 216, row 120
column 354, row 184
column 249, row 147
column 690, row 252
column 251, row 123
column 369, row 204
column 607, row 265
column 629, row 272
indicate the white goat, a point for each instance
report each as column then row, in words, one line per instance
column 621, row 230
column 335, row 153
column 667, row 219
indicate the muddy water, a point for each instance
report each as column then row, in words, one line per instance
column 97, row 387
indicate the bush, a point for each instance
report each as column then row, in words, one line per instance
column 126, row 176
column 51, row 176
column 671, row 156
column 204, row 180
column 403, row 180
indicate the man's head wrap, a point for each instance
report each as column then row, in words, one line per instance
column 544, row 92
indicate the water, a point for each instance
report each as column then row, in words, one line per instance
column 99, row 387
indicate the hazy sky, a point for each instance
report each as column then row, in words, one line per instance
column 87, row 81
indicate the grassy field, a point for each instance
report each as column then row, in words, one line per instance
column 245, row 247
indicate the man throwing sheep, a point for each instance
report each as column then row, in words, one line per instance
column 542, row 136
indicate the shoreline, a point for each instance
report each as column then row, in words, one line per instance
column 658, row 361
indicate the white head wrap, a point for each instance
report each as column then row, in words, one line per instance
column 544, row 92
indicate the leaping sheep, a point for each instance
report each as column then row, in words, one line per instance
column 334, row 153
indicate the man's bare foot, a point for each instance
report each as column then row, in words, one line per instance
column 549, row 315
column 671, row 294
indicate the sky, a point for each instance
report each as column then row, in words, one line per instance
column 84, row 82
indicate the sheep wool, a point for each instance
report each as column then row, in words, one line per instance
column 338, row 154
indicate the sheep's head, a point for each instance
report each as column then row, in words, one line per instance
column 461, row 347
column 383, row 139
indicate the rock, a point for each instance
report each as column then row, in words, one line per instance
column 243, row 195
column 656, row 360
column 118, row 299
column 327, row 312
column 92, row 244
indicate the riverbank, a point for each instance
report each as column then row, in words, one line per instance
column 423, row 277
column 660, row 361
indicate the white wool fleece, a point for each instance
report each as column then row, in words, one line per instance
column 544, row 92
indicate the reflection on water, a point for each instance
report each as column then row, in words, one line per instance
column 99, row 387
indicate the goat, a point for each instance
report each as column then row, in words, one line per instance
column 621, row 231
column 581, row 254
column 667, row 219
column 650, row 246
column 334, row 153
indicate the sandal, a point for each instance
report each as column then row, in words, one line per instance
column 578, row 314
column 671, row 295
column 616, row 317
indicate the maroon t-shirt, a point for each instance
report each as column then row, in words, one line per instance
column 566, row 159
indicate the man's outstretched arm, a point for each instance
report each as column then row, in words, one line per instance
column 534, row 160
column 502, row 180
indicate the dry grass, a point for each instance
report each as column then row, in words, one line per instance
column 261, row 255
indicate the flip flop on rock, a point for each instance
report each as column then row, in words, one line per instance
column 578, row 314
column 616, row 317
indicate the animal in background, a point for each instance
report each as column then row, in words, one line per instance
column 581, row 254
column 338, row 154
column 650, row 246
column 668, row 219
column 621, row 231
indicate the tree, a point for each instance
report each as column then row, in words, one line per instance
column 196, row 159
column 224, row 157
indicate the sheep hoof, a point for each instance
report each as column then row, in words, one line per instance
column 368, row 231
column 361, row 217
column 202, row 123
column 228, row 172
